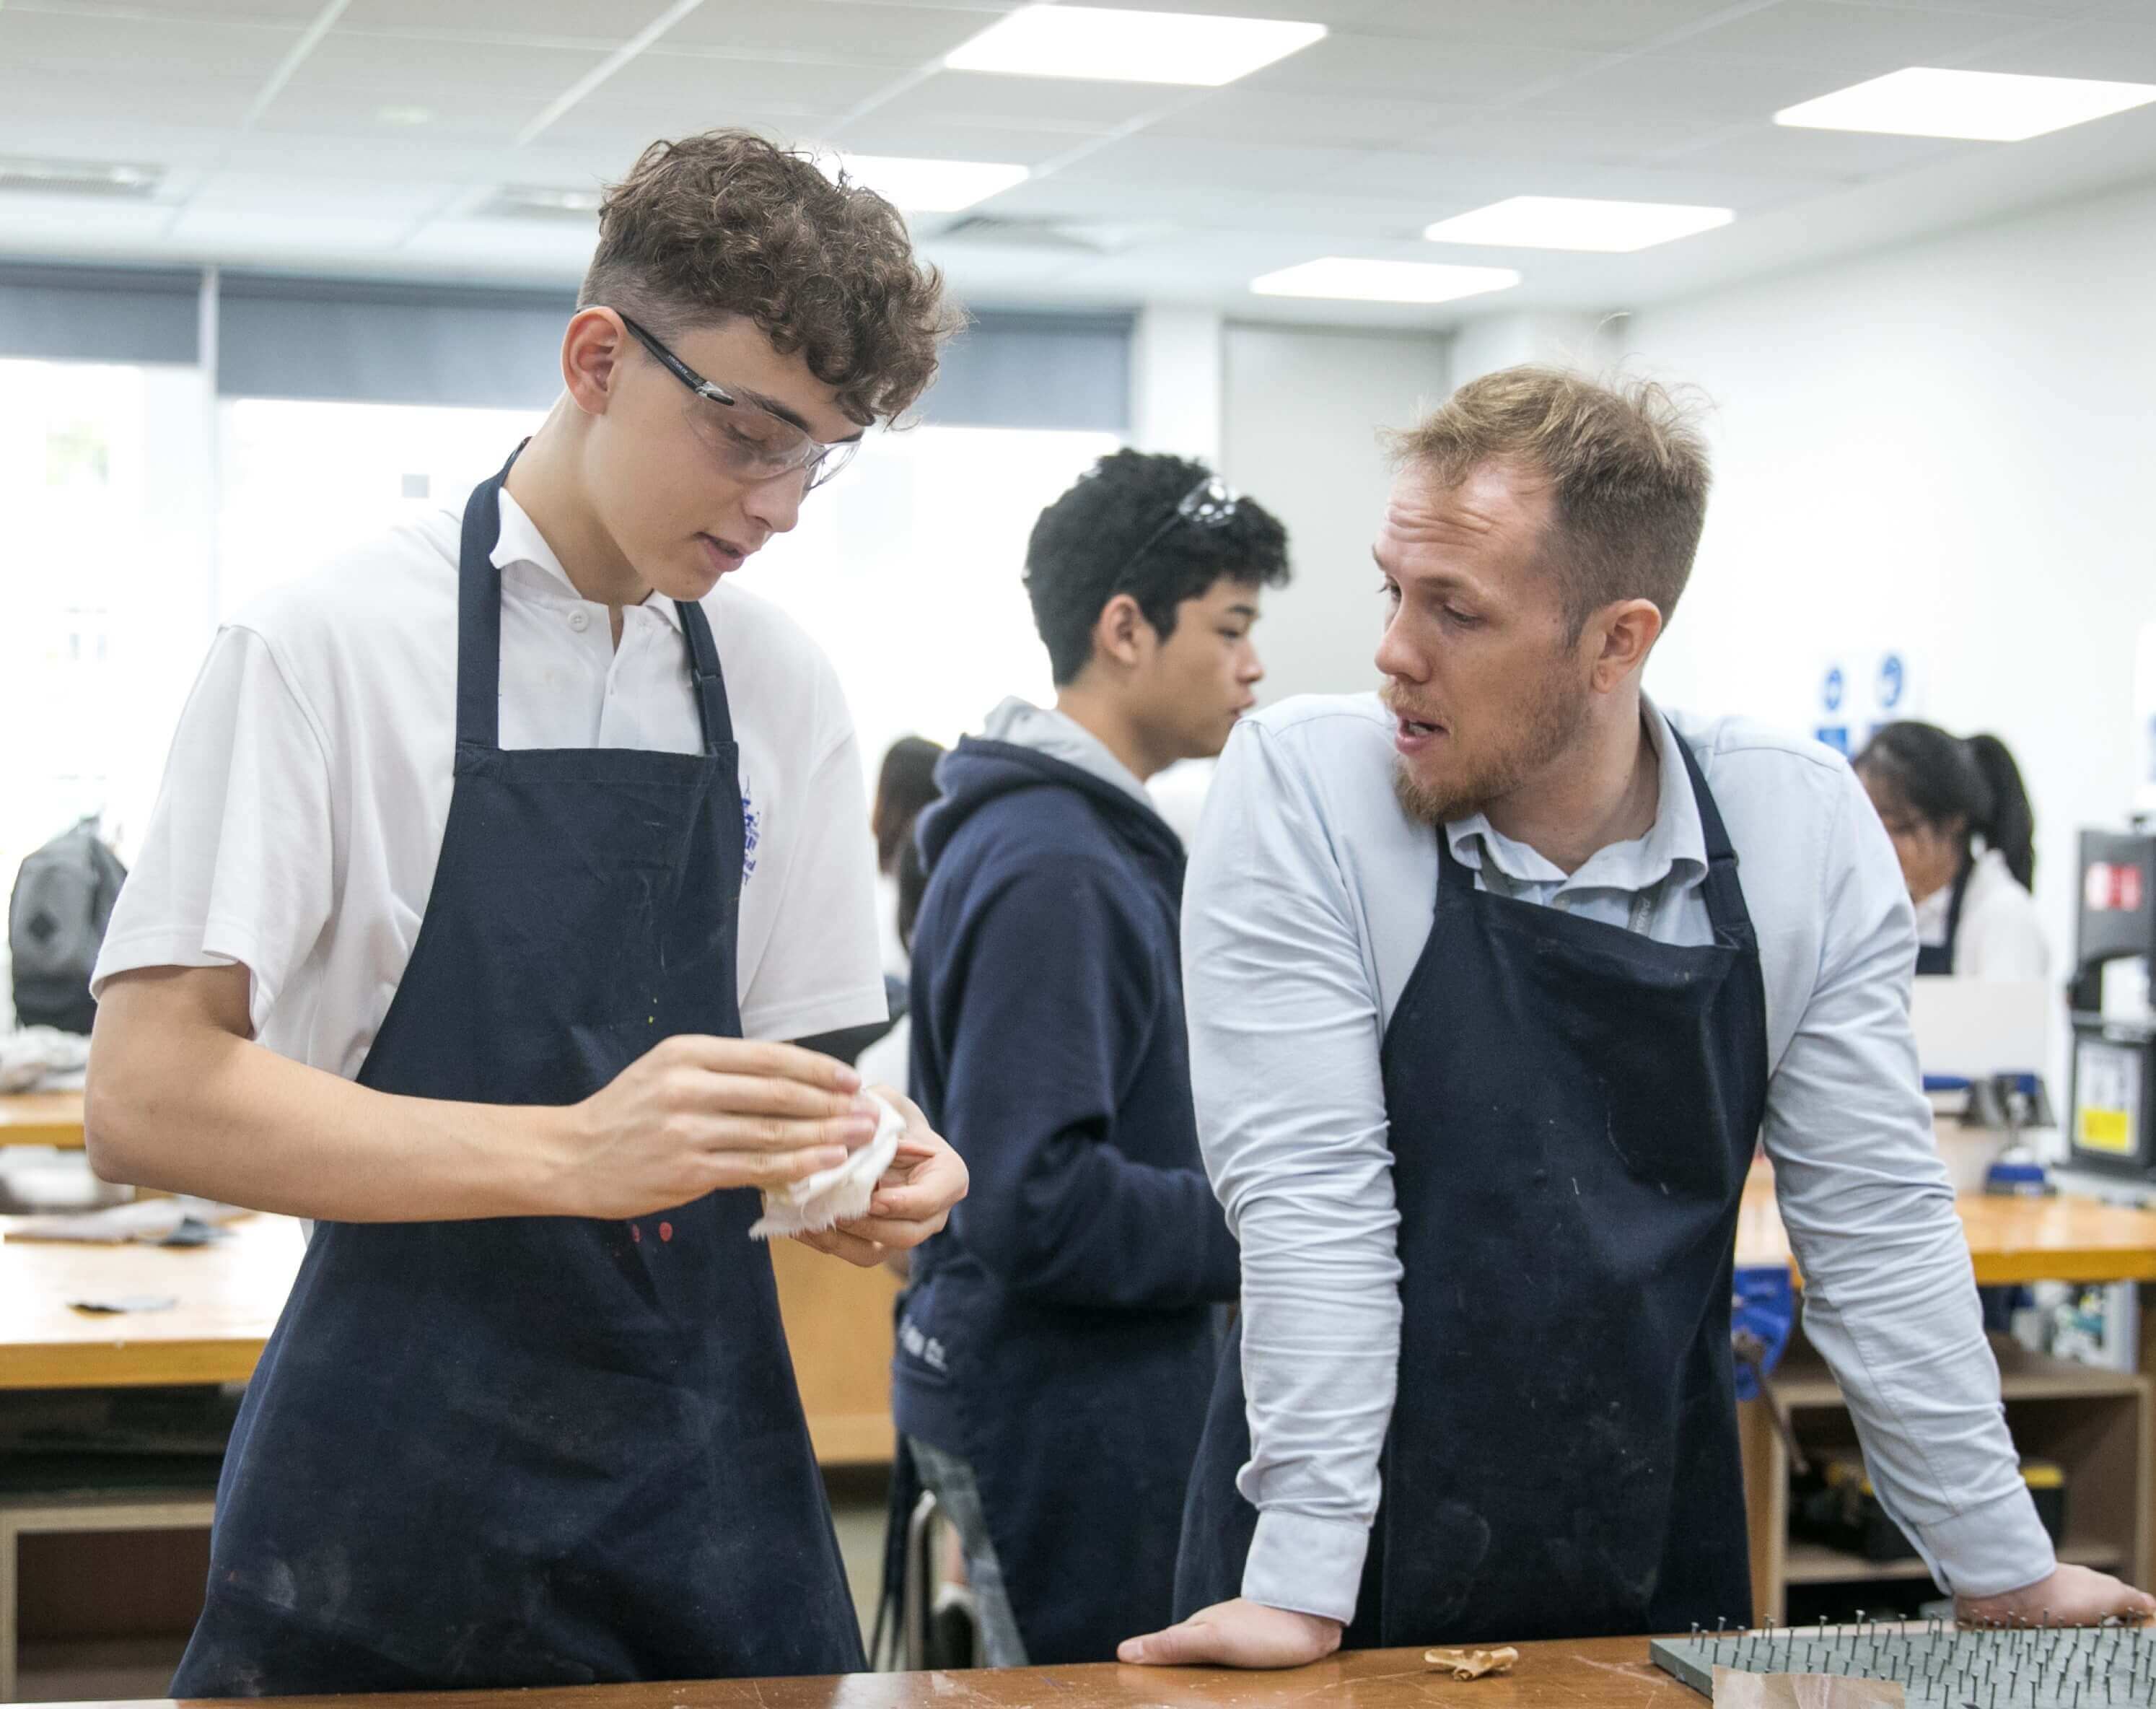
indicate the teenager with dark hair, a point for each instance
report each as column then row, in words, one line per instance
column 494, row 862
column 1964, row 831
column 1057, row 1346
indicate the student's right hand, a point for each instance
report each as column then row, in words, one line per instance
column 695, row 1114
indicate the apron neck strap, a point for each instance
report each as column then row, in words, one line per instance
column 1725, row 898
column 478, row 633
column 479, row 616
column 708, row 680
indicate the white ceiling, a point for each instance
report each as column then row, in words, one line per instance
column 366, row 136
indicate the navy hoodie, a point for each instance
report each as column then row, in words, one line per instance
column 1060, row 1335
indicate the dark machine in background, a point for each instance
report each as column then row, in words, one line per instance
column 2112, row 1127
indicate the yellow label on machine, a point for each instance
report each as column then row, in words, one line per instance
column 2108, row 1130
column 2106, row 1098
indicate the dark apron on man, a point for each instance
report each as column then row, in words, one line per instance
column 1572, row 1109
column 536, row 1450
column 1938, row 960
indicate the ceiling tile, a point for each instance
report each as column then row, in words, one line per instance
column 2053, row 9
column 1263, row 116
column 1417, row 68
column 2112, row 48
column 834, row 29
column 118, row 103
column 412, row 73
column 1685, row 88
column 1022, row 100
column 931, row 139
column 83, row 48
column 1866, row 39
column 1210, row 167
column 775, row 85
column 1602, row 25
column 607, row 22
column 298, row 14
column 450, row 116
column 1334, row 14
column 616, row 132
column 1561, row 139
column 1845, row 156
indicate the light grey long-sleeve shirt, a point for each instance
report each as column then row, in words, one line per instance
column 1311, row 895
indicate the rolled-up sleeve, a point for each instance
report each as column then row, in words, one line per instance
column 1890, row 1300
column 1285, row 1028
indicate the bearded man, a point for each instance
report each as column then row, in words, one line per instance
column 1496, row 980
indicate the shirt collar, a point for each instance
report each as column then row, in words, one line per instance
column 519, row 547
column 1676, row 839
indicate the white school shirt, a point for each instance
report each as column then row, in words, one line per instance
column 2000, row 936
column 1310, row 897
column 301, row 814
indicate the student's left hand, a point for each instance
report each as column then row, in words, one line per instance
column 913, row 1200
column 2072, row 1595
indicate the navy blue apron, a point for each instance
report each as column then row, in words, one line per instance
column 1573, row 1107
column 536, row 1450
column 1938, row 960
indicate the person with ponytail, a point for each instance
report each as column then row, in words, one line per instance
column 1961, row 824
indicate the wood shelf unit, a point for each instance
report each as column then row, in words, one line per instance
column 2095, row 1424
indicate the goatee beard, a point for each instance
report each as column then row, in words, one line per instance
column 1551, row 722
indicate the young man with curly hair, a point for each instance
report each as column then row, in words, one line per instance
column 1057, row 1345
column 495, row 862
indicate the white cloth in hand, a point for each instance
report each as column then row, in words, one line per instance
column 837, row 1195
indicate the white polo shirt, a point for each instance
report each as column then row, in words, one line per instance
column 303, row 805
column 2000, row 935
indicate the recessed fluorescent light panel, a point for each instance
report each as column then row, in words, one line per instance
column 1343, row 277
column 79, row 177
column 931, row 186
column 1984, row 106
column 1131, row 47
column 1572, row 223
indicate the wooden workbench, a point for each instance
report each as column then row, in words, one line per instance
column 2061, row 1240
column 838, row 1323
column 42, row 1119
column 2010, row 1239
column 1605, row 1673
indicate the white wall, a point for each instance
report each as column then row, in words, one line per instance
column 1952, row 446
column 1583, row 340
column 1303, row 408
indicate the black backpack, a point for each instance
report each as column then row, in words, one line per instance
column 56, row 921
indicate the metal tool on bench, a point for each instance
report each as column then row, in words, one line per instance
column 1937, row 1666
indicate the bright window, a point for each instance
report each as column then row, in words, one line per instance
column 909, row 567
column 104, row 574
column 302, row 480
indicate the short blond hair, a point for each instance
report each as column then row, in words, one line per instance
column 1625, row 466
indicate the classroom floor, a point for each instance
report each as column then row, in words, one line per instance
column 109, row 1669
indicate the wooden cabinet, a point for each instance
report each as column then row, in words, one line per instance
column 2095, row 1424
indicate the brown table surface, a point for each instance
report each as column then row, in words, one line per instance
column 41, row 1119
column 227, row 1299
column 1604, row 1671
column 2060, row 1239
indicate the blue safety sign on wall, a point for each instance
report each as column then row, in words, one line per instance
column 1833, row 688
column 1893, row 682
